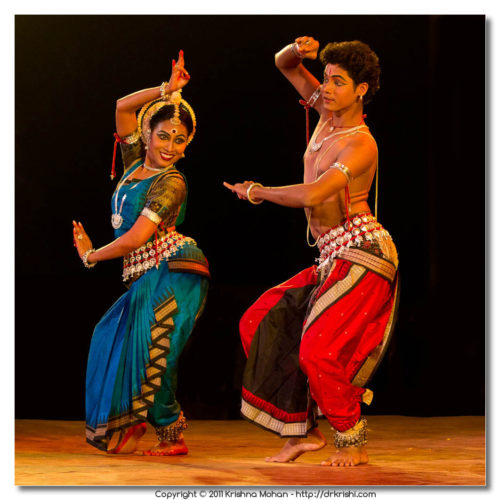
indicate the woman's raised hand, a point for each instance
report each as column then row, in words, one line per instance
column 80, row 239
column 180, row 76
column 307, row 46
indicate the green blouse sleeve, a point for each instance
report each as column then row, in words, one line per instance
column 164, row 198
column 132, row 149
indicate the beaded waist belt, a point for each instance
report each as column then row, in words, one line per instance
column 152, row 253
column 360, row 229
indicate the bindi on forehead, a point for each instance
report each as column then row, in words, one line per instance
column 168, row 129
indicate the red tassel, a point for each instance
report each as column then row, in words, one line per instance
column 306, row 107
column 156, row 246
column 347, row 199
column 117, row 140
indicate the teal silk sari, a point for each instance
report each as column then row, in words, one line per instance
column 132, row 364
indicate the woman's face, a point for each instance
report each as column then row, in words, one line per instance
column 338, row 90
column 167, row 144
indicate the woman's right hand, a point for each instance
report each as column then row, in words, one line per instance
column 180, row 77
column 307, row 46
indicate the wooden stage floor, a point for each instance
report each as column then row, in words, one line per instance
column 403, row 451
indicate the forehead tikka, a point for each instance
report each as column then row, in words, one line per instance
column 175, row 99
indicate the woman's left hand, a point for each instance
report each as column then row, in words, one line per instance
column 80, row 239
column 241, row 190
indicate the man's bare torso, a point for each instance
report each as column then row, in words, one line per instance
column 332, row 210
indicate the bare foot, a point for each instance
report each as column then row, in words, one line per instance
column 347, row 457
column 129, row 439
column 294, row 447
column 168, row 448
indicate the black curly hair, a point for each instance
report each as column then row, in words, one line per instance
column 358, row 59
column 167, row 112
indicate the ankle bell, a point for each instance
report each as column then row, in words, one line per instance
column 173, row 431
column 355, row 436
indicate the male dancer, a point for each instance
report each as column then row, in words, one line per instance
column 315, row 340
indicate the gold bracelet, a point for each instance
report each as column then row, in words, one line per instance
column 249, row 191
column 164, row 90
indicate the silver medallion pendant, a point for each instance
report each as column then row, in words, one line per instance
column 116, row 220
column 315, row 147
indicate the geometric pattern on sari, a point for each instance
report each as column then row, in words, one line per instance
column 157, row 366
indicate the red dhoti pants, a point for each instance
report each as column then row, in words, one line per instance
column 315, row 340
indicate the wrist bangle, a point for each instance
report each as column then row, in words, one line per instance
column 249, row 190
column 296, row 51
column 164, row 90
column 85, row 256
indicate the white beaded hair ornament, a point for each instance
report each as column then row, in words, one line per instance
column 151, row 108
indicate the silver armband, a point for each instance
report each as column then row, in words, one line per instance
column 131, row 138
column 345, row 170
column 152, row 216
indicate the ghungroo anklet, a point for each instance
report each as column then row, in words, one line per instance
column 355, row 436
column 173, row 431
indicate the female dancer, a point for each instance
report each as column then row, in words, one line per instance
column 132, row 365
column 316, row 339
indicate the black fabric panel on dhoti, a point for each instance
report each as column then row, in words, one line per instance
column 272, row 372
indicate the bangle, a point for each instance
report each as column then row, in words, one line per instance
column 314, row 97
column 85, row 256
column 164, row 90
column 296, row 51
column 249, row 190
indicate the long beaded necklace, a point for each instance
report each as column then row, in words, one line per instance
column 347, row 194
column 116, row 217
column 353, row 131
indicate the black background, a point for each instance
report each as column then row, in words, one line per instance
column 428, row 119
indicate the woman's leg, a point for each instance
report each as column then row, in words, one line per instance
column 166, row 415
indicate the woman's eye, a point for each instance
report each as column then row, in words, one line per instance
column 179, row 141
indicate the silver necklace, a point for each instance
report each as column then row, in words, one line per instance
column 314, row 147
column 153, row 169
column 116, row 217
